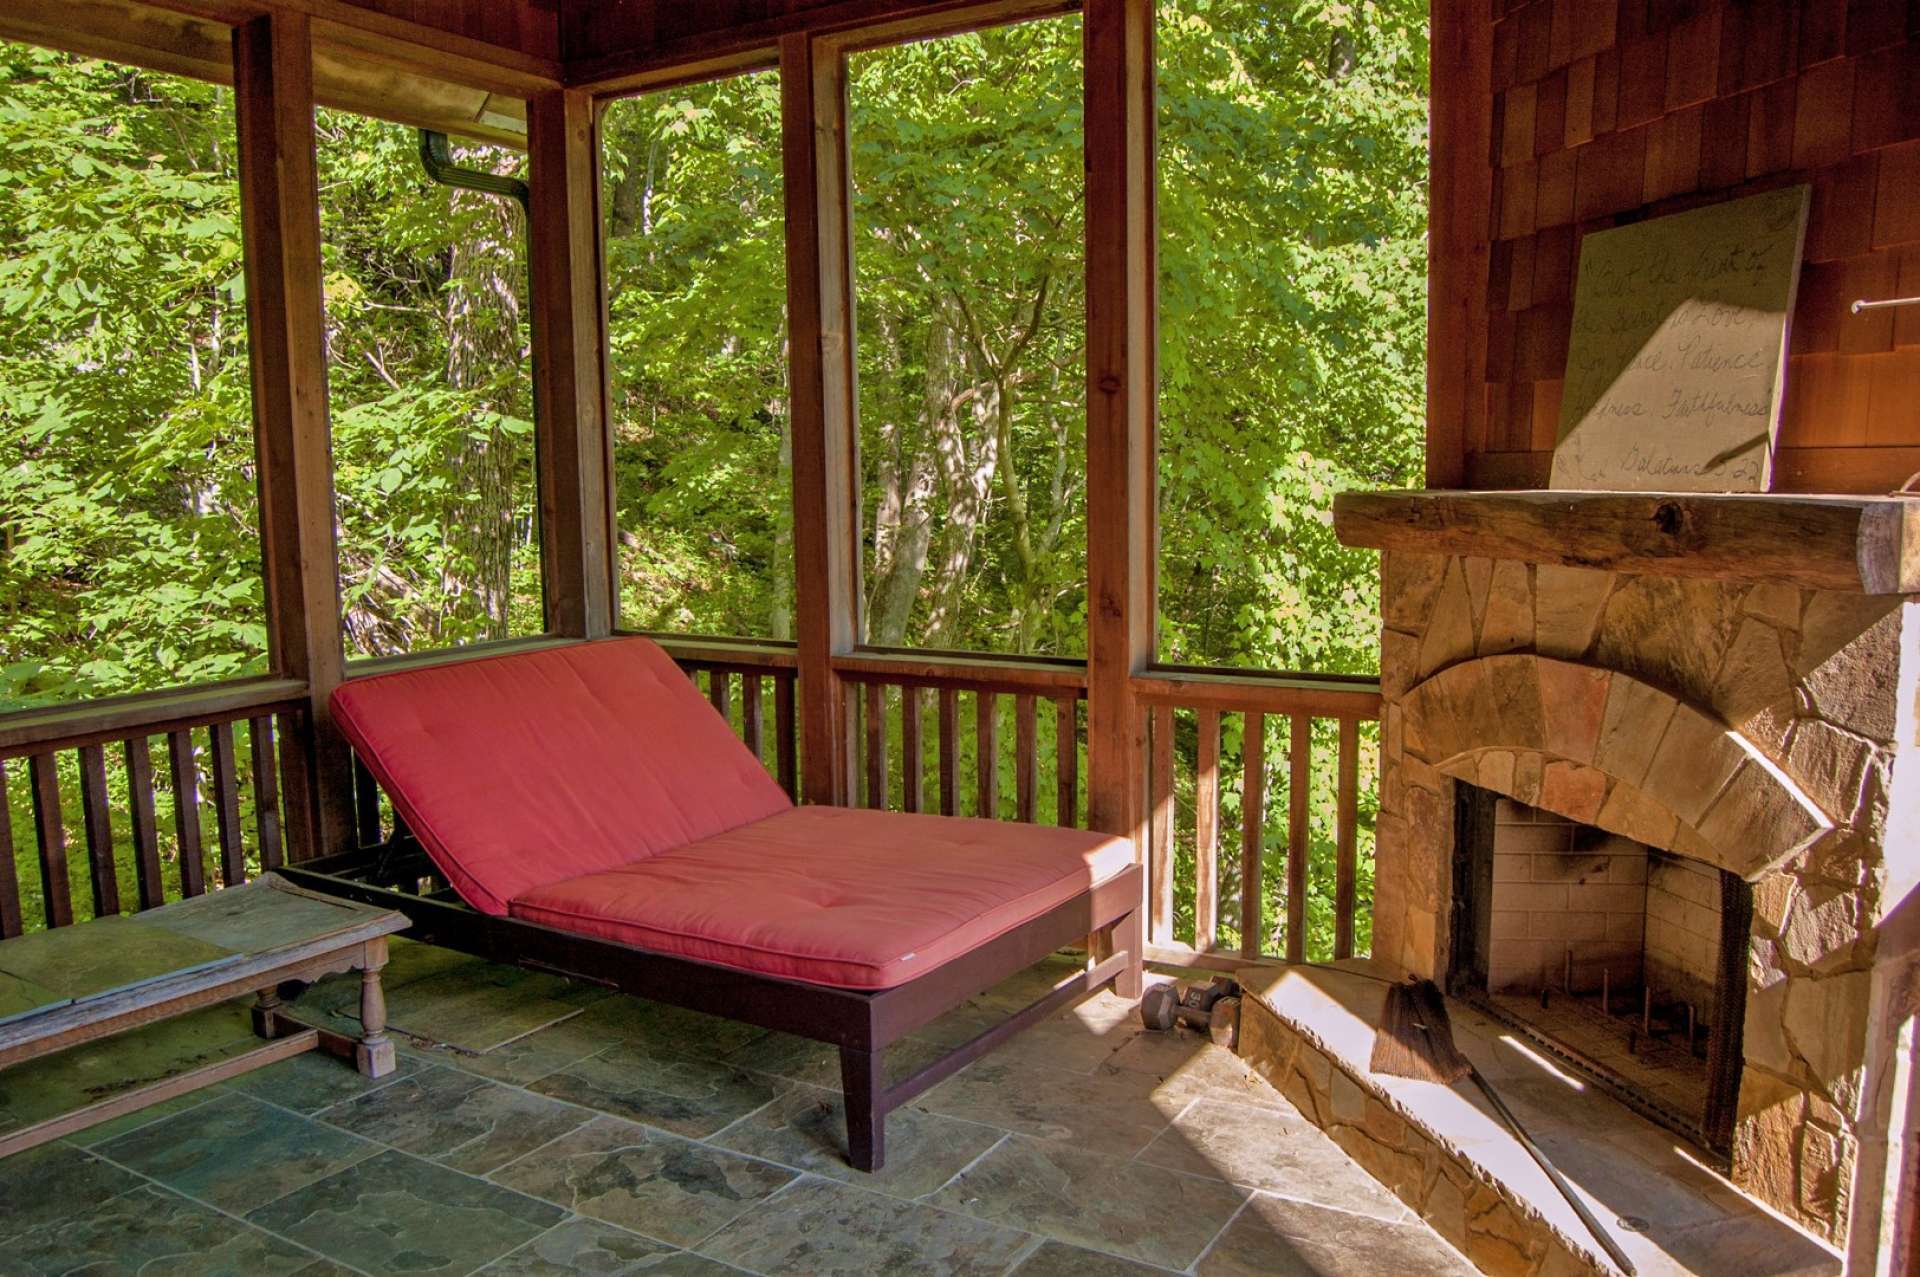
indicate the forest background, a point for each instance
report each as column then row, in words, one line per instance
column 1292, row 154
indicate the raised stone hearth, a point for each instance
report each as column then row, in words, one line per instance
column 1699, row 705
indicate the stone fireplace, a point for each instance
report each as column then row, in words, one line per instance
column 1624, row 960
column 1637, row 750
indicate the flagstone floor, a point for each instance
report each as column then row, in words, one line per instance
column 536, row 1126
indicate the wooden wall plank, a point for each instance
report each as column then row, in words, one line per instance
column 1666, row 107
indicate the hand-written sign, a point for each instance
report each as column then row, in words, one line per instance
column 1679, row 347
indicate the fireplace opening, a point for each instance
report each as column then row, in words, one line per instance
column 1627, row 962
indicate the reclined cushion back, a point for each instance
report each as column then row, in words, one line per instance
column 519, row 771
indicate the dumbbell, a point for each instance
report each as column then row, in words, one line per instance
column 1212, row 1008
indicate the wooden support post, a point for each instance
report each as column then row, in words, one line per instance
column 280, row 222
column 570, row 384
column 1121, row 284
column 821, row 373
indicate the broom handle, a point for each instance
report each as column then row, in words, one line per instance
column 1600, row 1234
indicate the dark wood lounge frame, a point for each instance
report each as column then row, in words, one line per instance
column 861, row 1023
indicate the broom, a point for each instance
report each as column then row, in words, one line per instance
column 1415, row 1040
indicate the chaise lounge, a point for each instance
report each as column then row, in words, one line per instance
column 590, row 814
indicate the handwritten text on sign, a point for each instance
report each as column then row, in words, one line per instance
column 1675, row 365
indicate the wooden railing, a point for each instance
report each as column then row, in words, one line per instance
column 931, row 732
column 1324, row 718
column 891, row 696
column 142, row 828
column 1282, row 764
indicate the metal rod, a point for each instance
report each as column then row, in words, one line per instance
column 1646, row 1010
column 1566, row 981
column 1601, row 1235
column 1864, row 304
column 1606, row 989
column 1690, row 1023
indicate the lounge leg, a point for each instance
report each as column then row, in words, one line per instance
column 1130, row 933
column 862, row 1079
column 374, row 1055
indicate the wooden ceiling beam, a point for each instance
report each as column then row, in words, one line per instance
column 611, row 49
column 353, row 70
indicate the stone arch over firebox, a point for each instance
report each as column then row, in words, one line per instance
column 1605, row 748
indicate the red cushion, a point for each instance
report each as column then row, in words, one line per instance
column 523, row 770
column 839, row 896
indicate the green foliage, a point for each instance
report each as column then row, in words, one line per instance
column 129, row 550
column 696, row 292
column 1292, row 301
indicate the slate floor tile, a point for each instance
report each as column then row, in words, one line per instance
column 458, row 1120
column 584, row 1246
column 47, row 1184
column 1130, row 1209
column 150, row 1232
column 832, row 1230
column 313, row 1081
column 664, row 1088
column 1106, row 1112
column 1057, row 1259
column 807, row 1129
column 818, row 1063
column 235, row 1152
column 479, row 1014
column 397, row 1213
column 1276, row 1237
column 1273, row 1149
column 622, row 1019
column 646, row 1180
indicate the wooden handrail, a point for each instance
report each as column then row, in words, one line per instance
column 739, row 654
column 1317, row 696
column 968, row 671
column 41, row 731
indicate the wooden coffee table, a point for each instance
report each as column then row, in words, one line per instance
column 62, row 987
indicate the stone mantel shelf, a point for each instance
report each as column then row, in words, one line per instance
column 1849, row 544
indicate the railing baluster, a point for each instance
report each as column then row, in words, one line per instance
column 146, row 833
column 1345, row 822
column 1299, row 773
column 226, row 806
column 1160, row 830
column 266, row 790
column 949, row 752
column 1253, row 821
column 98, row 821
column 720, row 693
column 1206, row 833
column 186, row 812
column 986, row 754
column 786, row 743
column 913, row 759
column 11, row 923
column 1026, row 760
column 366, row 805
column 876, row 724
column 750, row 712
column 1066, row 762
column 50, row 831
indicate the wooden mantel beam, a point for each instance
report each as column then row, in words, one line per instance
column 1861, row 545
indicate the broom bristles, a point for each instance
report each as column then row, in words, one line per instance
column 1415, row 1038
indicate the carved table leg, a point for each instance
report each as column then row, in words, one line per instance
column 374, row 1055
column 265, row 1020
